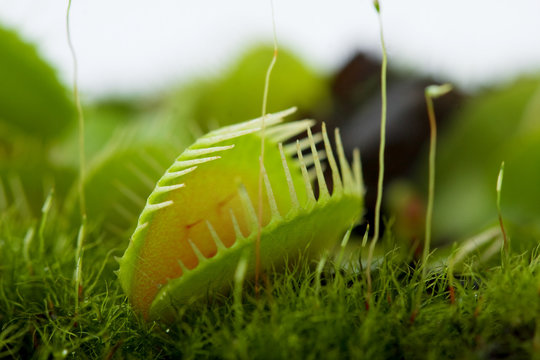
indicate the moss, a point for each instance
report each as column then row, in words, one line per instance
column 296, row 316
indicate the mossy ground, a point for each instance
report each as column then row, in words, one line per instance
column 301, row 313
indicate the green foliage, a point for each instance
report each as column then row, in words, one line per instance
column 520, row 197
column 32, row 100
column 34, row 109
column 490, row 128
column 238, row 93
column 103, row 121
column 26, row 179
column 301, row 313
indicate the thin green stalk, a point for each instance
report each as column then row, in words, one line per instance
column 381, row 152
column 499, row 212
column 82, row 199
column 80, row 116
column 344, row 243
column 431, row 92
column 318, row 272
column 431, row 180
column 239, row 277
column 261, row 158
column 26, row 247
column 44, row 214
column 78, row 265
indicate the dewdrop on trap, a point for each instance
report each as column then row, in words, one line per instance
column 200, row 219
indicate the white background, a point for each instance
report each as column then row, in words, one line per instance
column 139, row 46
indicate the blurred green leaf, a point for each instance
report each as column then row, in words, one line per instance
column 32, row 100
column 26, row 179
column 102, row 120
column 520, row 195
column 486, row 131
column 238, row 95
column 123, row 173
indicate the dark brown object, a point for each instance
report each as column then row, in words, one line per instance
column 357, row 111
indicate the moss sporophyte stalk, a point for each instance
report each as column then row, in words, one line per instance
column 201, row 220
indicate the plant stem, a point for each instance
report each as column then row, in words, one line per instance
column 499, row 212
column 431, row 180
column 431, row 92
column 261, row 158
column 80, row 116
column 45, row 209
column 82, row 199
column 381, row 153
column 239, row 277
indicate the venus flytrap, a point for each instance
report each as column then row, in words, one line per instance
column 201, row 219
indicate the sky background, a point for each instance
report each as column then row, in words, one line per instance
column 137, row 47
